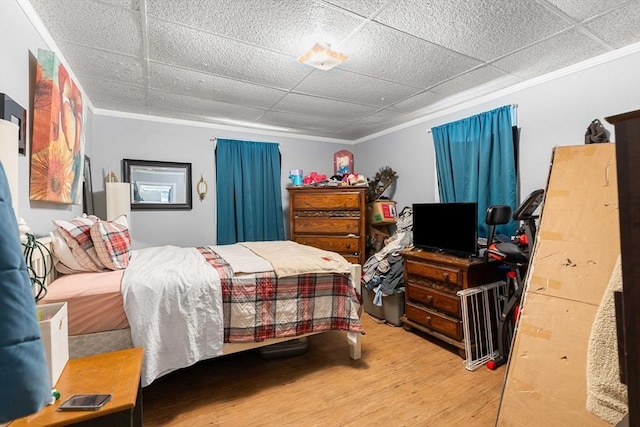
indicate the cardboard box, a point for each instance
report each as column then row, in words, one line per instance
column 54, row 332
column 382, row 212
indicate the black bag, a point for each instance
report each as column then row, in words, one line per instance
column 596, row 133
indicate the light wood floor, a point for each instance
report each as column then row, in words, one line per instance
column 403, row 379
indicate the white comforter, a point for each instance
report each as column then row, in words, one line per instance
column 177, row 315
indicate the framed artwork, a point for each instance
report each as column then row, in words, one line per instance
column 11, row 111
column 158, row 185
column 342, row 162
column 87, row 188
column 57, row 142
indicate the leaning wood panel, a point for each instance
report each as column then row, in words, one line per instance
column 577, row 247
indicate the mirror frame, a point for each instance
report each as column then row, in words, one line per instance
column 129, row 167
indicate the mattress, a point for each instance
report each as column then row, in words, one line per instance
column 94, row 301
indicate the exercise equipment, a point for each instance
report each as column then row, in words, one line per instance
column 515, row 255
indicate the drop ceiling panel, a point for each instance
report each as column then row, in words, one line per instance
column 104, row 93
column 178, row 45
column 92, row 23
column 363, row 8
column 204, row 107
column 482, row 29
column 347, row 86
column 407, row 59
column 383, row 116
column 234, row 62
column 480, row 82
column 417, row 102
column 618, row 28
column 318, row 124
column 293, row 25
column 203, row 85
column 130, row 4
column 583, row 9
column 297, row 103
column 566, row 49
column 105, row 65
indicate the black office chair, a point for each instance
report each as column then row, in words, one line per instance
column 516, row 256
column 496, row 215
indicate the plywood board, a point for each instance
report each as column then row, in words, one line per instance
column 577, row 247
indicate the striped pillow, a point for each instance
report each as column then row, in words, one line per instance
column 112, row 242
column 77, row 234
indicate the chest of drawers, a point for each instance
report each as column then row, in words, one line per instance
column 329, row 218
column 432, row 281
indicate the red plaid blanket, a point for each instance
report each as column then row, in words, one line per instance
column 260, row 306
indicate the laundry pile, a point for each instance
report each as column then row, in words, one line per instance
column 382, row 273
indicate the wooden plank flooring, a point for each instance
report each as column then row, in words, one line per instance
column 403, row 379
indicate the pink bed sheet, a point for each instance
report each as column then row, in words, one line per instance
column 94, row 301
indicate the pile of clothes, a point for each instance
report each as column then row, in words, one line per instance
column 383, row 272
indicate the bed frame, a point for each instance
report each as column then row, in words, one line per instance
column 102, row 342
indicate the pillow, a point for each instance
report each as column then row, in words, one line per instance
column 77, row 234
column 112, row 242
column 64, row 261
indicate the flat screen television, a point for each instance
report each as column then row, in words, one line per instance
column 446, row 227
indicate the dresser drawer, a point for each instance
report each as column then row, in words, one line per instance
column 323, row 200
column 430, row 297
column 446, row 275
column 340, row 244
column 439, row 322
column 353, row 259
column 324, row 225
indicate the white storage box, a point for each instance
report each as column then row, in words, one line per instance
column 54, row 332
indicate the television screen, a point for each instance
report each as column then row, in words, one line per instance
column 446, row 227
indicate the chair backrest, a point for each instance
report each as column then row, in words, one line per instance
column 496, row 215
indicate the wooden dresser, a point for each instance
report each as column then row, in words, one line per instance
column 431, row 283
column 329, row 218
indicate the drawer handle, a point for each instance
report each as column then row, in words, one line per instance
column 348, row 245
column 427, row 319
column 429, row 299
column 445, row 276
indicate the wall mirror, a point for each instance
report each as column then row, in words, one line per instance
column 158, row 185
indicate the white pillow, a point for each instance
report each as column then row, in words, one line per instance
column 77, row 234
column 64, row 260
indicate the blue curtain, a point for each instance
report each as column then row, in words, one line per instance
column 475, row 160
column 248, row 192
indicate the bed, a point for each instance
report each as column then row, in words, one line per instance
column 183, row 305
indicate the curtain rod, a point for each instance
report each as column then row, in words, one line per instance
column 511, row 105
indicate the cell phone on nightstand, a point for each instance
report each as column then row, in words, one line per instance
column 84, row 402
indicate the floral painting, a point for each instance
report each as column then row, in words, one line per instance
column 57, row 146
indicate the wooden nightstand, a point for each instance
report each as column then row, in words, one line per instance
column 117, row 373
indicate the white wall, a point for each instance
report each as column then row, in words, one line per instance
column 550, row 113
column 19, row 43
column 118, row 138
